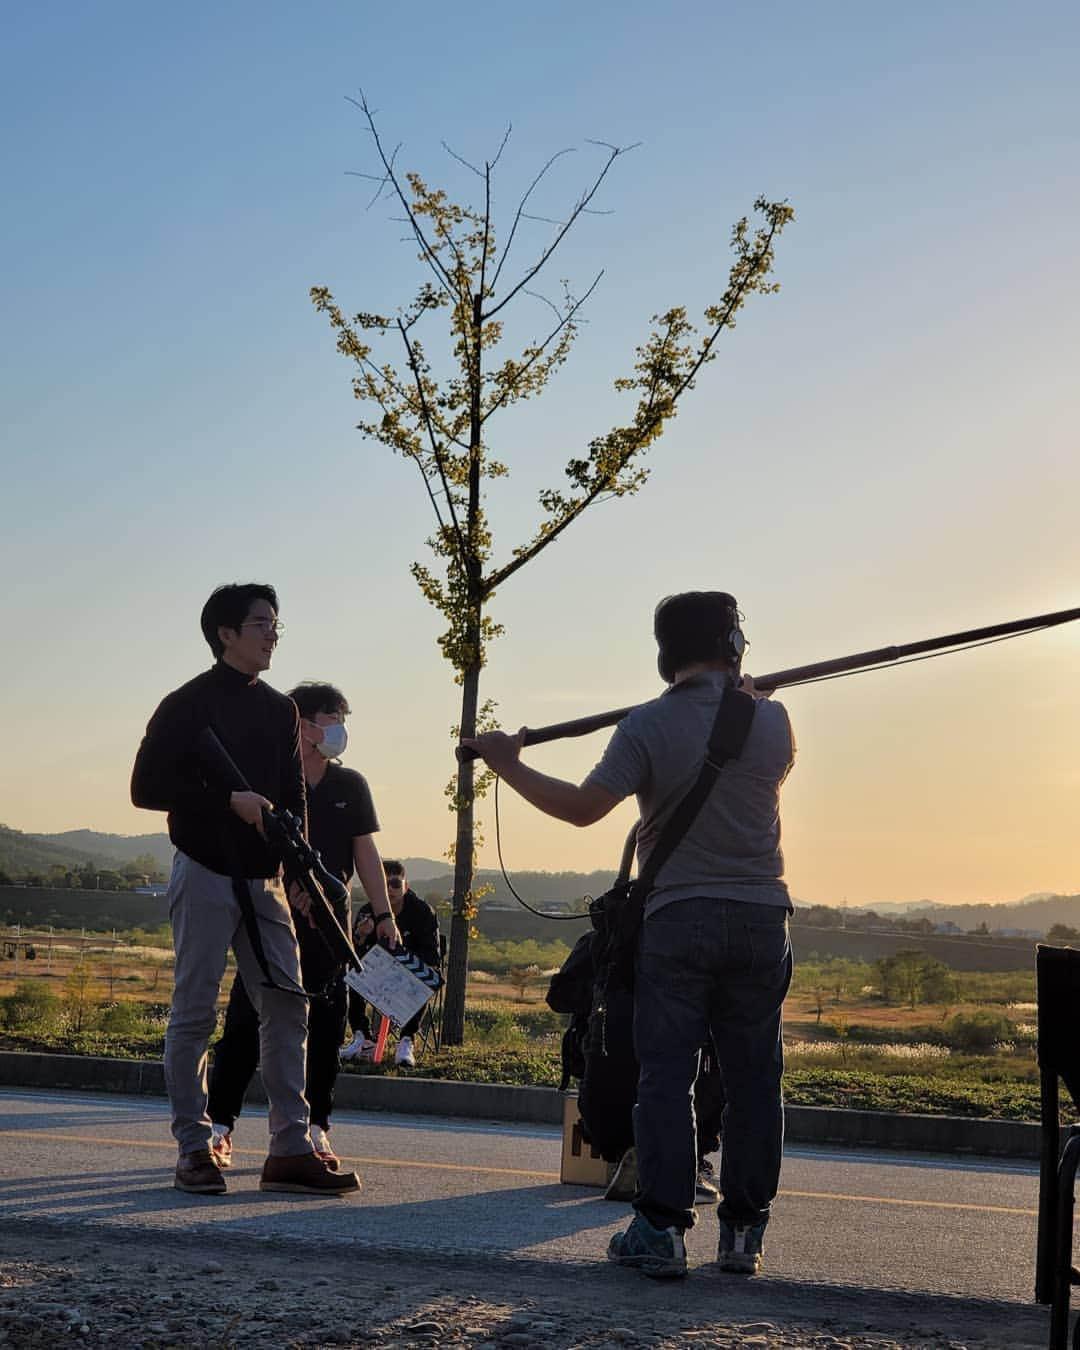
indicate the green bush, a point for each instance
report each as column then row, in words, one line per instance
column 978, row 1031
column 539, row 1022
column 924, row 1094
column 499, row 957
column 31, row 1005
column 124, row 1018
column 492, row 1026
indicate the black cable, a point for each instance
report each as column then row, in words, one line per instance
column 910, row 660
column 555, row 918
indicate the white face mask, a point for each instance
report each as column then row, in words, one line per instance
column 335, row 739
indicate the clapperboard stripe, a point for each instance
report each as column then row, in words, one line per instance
column 432, row 978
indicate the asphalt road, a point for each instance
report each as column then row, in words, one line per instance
column 908, row 1227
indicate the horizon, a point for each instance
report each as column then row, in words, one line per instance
column 883, row 451
column 446, row 869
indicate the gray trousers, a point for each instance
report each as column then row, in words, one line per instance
column 206, row 922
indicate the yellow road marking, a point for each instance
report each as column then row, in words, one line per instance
column 916, row 1204
column 515, row 1172
column 261, row 1153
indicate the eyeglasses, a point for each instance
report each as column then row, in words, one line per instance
column 395, row 883
column 274, row 626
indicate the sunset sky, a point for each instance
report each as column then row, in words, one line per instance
column 884, row 451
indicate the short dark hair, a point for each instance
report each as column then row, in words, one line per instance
column 313, row 698
column 229, row 606
column 393, row 867
column 692, row 627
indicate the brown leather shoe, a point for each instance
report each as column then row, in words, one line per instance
column 306, row 1173
column 198, row 1174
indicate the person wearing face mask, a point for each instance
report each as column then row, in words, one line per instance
column 341, row 825
column 419, row 927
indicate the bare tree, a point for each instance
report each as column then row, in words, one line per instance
column 445, row 426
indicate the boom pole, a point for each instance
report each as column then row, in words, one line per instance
column 840, row 665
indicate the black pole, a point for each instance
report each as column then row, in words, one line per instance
column 841, row 665
column 1046, row 1242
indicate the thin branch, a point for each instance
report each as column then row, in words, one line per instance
column 412, row 454
column 401, row 393
column 432, row 257
column 487, row 229
column 544, row 220
column 521, row 207
column 535, row 295
column 502, row 146
column 561, row 235
column 427, row 484
column 382, row 181
column 563, row 321
column 454, row 155
column 436, row 453
column 497, row 578
column 732, row 306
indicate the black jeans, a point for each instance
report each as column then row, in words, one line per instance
column 237, row 1054
column 721, row 967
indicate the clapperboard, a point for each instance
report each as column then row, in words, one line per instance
column 397, row 984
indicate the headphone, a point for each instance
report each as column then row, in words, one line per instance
column 699, row 609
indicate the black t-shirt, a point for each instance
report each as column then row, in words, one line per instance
column 339, row 808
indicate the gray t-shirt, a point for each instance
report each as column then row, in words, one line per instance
column 732, row 850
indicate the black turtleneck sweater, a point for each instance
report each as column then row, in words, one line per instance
column 260, row 729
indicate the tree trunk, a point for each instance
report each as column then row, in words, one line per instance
column 453, row 1027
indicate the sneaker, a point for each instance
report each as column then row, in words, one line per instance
column 355, row 1047
column 623, row 1185
column 307, row 1174
column 706, row 1191
column 198, row 1174
column 658, row 1252
column 741, row 1247
column 404, row 1053
column 321, row 1141
column 221, row 1146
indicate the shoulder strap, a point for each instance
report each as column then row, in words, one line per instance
column 726, row 741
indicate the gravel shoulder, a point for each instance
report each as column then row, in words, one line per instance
column 63, row 1286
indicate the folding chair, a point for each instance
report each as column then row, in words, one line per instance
column 430, row 1032
column 1058, row 984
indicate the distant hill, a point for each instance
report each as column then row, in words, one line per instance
column 1037, row 913
column 89, row 844
column 534, row 887
column 421, row 869
column 21, row 853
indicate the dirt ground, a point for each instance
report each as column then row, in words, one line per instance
column 69, row 1288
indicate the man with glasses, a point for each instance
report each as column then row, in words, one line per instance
column 419, row 928
column 342, row 825
column 224, row 869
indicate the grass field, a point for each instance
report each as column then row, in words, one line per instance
column 970, row 1053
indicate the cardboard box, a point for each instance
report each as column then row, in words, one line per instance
column 581, row 1164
